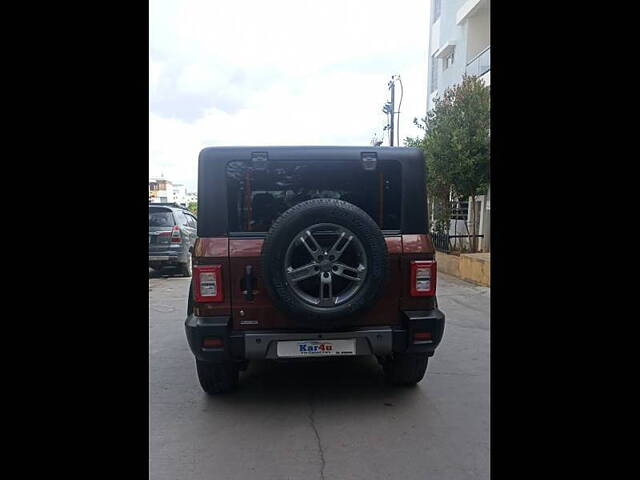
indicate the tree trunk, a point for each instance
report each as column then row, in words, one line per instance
column 473, row 224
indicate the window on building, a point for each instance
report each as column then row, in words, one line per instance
column 434, row 73
column 448, row 61
column 459, row 210
column 436, row 10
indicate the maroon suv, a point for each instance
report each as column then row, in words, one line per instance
column 310, row 252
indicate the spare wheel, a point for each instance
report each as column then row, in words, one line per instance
column 324, row 260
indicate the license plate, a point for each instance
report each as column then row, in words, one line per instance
column 316, row 348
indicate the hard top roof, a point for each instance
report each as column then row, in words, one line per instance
column 302, row 153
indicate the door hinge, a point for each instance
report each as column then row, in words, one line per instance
column 259, row 160
column 369, row 160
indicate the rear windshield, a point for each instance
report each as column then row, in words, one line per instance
column 160, row 218
column 256, row 198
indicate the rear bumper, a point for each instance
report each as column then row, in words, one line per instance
column 239, row 345
column 369, row 341
column 160, row 258
column 168, row 257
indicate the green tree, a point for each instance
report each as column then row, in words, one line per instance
column 456, row 147
column 193, row 207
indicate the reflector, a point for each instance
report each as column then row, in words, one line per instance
column 421, row 336
column 212, row 342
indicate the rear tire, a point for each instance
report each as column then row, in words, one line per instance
column 405, row 369
column 217, row 377
column 185, row 268
column 190, row 300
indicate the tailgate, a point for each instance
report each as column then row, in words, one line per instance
column 256, row 310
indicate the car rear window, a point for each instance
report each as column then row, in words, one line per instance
column 160, row 217
column 257, row 197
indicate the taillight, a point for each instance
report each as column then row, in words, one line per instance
column 208, row 283
column 423, row 278
column 175, row 235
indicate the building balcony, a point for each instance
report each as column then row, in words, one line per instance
column 480, row 64
column 446, row 49
column 471, row 8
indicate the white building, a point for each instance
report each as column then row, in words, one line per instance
column 160, row 190
column 179, row 194
column 192, row 197
column 459, row 43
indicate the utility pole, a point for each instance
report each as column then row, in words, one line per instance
column 389, row 109
column 392, row 86
column 399, row 105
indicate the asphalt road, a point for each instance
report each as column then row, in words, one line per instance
column 325, row 419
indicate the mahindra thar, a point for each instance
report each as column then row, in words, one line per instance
column 305, row 252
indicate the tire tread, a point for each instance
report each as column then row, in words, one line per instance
column 406, row 369
column 217, row 377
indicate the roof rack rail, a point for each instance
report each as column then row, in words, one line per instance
column 167, row 204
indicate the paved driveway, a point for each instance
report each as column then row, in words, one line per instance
column 326, row 419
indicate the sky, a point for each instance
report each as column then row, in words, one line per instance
column 279, row 72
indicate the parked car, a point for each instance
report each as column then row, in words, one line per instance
column 307, row 252
column 172, row 234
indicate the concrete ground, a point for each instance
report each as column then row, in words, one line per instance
column 331, row 419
